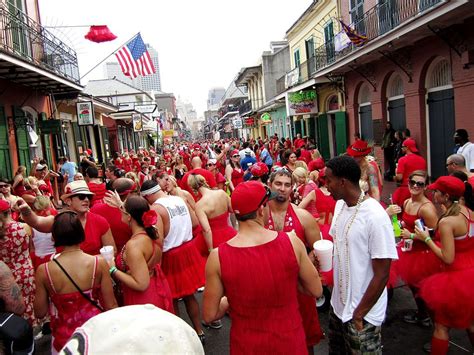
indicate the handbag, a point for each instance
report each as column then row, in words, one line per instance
column 93, row 302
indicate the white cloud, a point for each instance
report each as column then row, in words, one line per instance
column 201, row 44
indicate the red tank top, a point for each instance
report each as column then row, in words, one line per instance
column 291, row 223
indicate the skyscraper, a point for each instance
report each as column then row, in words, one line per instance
column 146, row 83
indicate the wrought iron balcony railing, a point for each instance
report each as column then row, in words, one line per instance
column 22, row 37
column 245, row 107
column 382, row 18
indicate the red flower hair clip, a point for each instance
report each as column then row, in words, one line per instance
column 149, row 218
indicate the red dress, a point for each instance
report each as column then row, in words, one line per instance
column 221, row 231
column 71, row 310
column 99, row 190
column 449, row 293
column 265, row 318
column 417, row 264
column 158, row 292
column 237, row 176
column 307, row 304
column 325, row 204
column 15, row 253
column 96, row 227
column 120, row 231
column 305, row 190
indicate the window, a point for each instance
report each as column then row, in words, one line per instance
column 439, row 75
column 357, row 15
column 395, row 87
column 297, row 58
column 309, row 48
column 364, row 94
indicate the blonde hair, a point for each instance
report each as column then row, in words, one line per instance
column 315, row 154
column 173, row 181
column 300, row 173
column 41, row 203
column 196, row 181
column 131, row 175
column 31, row 180
column 21, row 170
column 301, row 164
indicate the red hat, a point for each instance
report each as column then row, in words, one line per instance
column 259, row 169
column 360, row 148
column 449, row 185
column 89, row 151
column 4, row 205
column 234, row 152
column 196, row 146
column 249, row 196
column 410, row 144
column 316, row 164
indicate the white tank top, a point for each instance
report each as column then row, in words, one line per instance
column 181, row 227
column 43, row 243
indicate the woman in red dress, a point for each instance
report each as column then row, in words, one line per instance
column 415, row 265
column 448, row 294
column 15, row 253
column 96, row 185
column 258, row 272
column 306, row 191
column 138, row 264
column 68, row 308
column 212, row 211
column 233, row 171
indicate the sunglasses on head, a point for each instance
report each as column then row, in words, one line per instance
column 210, row 164
column 414, row 183
column 82, row 197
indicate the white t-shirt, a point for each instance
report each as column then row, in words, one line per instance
column 370, row 237
column 467, row 151
column 43, row 242
column 181, row 227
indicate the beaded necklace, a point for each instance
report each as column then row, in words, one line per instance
column 343, row 240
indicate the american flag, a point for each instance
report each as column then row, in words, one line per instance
column 134, row 58
column 356, row 38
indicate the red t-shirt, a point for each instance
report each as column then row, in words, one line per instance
column 99, row 190
column 210, row 179
column 96, row 227
column 299, row 143
column 471, row 181
column 305, row 156
column 120, row 231
column 408, row 164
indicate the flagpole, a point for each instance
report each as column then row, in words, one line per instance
column 103, row 60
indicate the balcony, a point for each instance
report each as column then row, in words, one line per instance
column 246, row 107
column 378, row 21
column 30, row 55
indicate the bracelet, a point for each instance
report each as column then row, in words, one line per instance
column 427, row 240
column 113, row 270
column 412, row 235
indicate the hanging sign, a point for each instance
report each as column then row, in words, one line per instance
column 85, row 113
column 137, row 122
column 50, row 126
column 266, row 118
column 302, row 103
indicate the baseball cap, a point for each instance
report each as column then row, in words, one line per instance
column 234, row 152
column 410, row 144
column 316, row 164
column 248, row 151
column 138, row 329
column 212, row 161
column 40, row 166
column 249, row 196
column 449, row 185
column 259, row 169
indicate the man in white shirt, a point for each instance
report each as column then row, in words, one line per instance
column 364, row 246
column 466, row 148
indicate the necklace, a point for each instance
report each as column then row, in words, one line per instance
column 342, row 239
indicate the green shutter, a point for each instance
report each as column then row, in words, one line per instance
column 341, row 132
column 46, row 138
column 312, row 127
column 5, row 163
column 323, row 137
column 22, row 139
column 105, row 140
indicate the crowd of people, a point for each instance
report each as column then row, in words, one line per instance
column 238, row 219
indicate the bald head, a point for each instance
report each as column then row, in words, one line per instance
column 124, row 187
column 196, row 162
column 455, row 162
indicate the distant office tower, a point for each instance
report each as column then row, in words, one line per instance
column 214, row 98
column 146, row 83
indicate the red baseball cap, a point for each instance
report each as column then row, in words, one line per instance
column 259, row 169
column 89, row 151
column 316, row 164
column 449, row 185
column 410, row 144
column 4, row 205
column 234, row 152
column 249, row 196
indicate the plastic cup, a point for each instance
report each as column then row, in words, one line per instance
column 107, row 252
column 323, row 250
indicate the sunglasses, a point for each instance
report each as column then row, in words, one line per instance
column 3, row 186
column 414, row 183
column 210, row 164
column 236, row 156
column 82, row 197
column 268, row 192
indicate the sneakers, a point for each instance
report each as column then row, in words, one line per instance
column 413, row 318
column 200, row 289
column 214, row 325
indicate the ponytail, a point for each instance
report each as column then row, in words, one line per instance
column 468, row 197
column 152, row 232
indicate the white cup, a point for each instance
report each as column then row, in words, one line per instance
column 323, row 251
column 107, row 252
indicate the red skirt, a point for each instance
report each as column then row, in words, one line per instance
column 309, row 314
column 200, row 242
column 449, row 296
column 417, row 264
column 184, row 269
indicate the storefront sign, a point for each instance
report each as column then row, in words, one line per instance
column 146, row 108
column 168, row 133
column 250, row 121
column 50, row 126
column 237, row 122
column 265, row 118
column 302, row 103
column 137, row 122
column 85, row 113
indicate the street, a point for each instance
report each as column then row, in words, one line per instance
column 398, row 337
